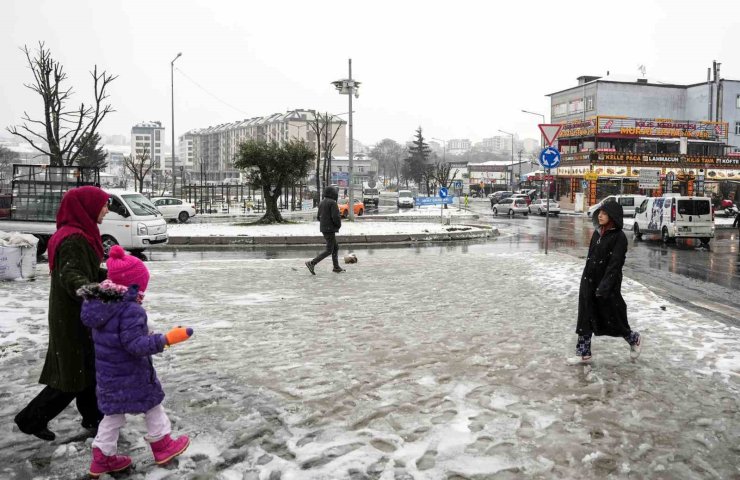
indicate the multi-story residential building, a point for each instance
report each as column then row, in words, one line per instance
column 149, row 137
column 614, row 129
column 497, row 144
column 185, row 156
column 214, row 148
column 458, row 146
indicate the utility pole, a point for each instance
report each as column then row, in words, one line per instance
column 519, row 170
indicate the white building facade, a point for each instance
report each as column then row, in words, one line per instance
column 149, row 137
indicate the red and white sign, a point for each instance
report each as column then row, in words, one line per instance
column 550, row 131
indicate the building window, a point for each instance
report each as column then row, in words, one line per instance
column 156, row 134
column 589, row 103
column 737, row 101
column 560, row 110
column 575, row 106
column 361, row 169
column 737, row 128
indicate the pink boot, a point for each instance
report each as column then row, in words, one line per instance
column 103, row 463
column 167, row 448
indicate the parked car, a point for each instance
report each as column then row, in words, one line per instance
column 672, row 216
column 511, row 206
column 344, row 207
column 174, row 209
column 539, row 207
column 405, row 199
column 628, row 202
column 496, row 197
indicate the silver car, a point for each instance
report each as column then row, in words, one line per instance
column 511, row 206
column 539, row 207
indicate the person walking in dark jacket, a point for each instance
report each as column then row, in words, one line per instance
column 601, row 308
column 329, row 223
column 75, row 253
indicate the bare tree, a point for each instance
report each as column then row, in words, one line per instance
column 139, row 165
column 321, row 125
column 63, row 132
column 442, row 176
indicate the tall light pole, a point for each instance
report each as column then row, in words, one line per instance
column 172, row 89
column 349, row 87
column 512, row 156
column 542, row 139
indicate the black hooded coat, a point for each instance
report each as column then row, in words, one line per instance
column 328, row 215
column 601, row 308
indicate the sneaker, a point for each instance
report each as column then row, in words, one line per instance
column 636, row 348
column 338, row 270
column 310, row 266
column 579, row 360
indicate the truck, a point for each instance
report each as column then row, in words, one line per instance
column 370, row 197
column 132, row 222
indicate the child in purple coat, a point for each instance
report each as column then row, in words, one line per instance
column 126, row 380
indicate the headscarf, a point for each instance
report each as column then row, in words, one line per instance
column 78, row 215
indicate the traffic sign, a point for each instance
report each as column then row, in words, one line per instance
column 584, row 184
column 458, row 184
column 443, row 192
column 550, row 157
column 550, row 131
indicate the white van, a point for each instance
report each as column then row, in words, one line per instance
column 673, row 216
column 132, row 222
column 628, row 202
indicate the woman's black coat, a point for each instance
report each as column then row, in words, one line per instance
column 601, row 308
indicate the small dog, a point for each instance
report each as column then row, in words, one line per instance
column 350, row 258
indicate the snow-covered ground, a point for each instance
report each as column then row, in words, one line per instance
column 422, row 363
column 301, row 229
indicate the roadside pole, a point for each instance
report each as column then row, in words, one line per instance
column 549, row 158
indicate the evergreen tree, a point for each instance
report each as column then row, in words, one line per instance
column 417, row 164
column 91, row 152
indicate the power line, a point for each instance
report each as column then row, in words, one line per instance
column 211, row 94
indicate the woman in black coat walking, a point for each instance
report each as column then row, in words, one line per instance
column 601, row 308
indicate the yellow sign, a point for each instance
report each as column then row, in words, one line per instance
column 590, row 176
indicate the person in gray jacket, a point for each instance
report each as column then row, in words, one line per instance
column 330, row 223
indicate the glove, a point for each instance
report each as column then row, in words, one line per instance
column 177, row 335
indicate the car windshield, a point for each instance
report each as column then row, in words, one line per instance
column 371, row 191
column 693, row 207
column 140, row 205
column 404, row 194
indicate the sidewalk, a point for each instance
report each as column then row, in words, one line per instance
column 365, row 231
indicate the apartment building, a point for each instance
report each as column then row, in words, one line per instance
column 149, row 137
column 214, row 148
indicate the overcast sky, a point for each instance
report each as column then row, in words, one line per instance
column 459, row 69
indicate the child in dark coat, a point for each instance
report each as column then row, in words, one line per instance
column 126, row 380
column 601, row 308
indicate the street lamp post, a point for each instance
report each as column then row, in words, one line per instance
column 349, row 87
column 512, row 157
column 172, row 89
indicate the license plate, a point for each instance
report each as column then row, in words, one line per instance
column 160, row 237
column 684, row 229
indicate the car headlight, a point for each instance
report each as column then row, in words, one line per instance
column 141, row 229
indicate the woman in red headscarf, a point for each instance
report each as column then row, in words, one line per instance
column 75, row 253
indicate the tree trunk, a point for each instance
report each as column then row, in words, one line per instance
column 141, row 184
column 272, row 213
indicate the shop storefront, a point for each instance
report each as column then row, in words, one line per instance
column 604, row 155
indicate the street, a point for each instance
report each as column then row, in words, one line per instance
column 437, row 362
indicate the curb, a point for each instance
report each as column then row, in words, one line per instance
column 342, row 239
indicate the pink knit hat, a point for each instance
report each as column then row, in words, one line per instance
column 126, row 270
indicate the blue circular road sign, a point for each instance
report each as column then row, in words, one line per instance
column 550, row 157
column 443, row 192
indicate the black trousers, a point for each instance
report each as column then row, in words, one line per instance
column 332, row 248
column 50, row 402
